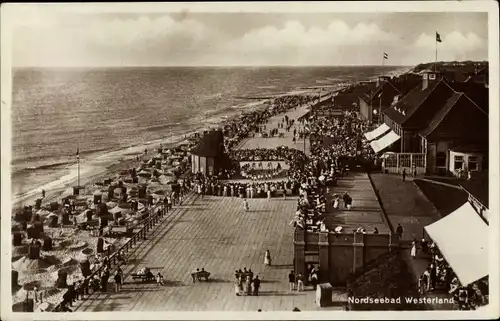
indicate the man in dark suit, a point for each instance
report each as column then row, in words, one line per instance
column 399, row 230
column 256, row 285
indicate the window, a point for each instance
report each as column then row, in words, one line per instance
column 404, row 160
column 441, row 159
column 459, row 162
column 473, row 163
column 432, row 76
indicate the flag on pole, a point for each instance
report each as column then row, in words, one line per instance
column 78, row 153
column 438, row 37
column 386, row 56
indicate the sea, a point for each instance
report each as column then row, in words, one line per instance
column 99, row 111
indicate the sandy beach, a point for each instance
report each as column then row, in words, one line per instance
column 67, row 251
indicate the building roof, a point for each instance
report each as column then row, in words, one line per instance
column 477, row 92
column 415, row 108
column 390, row 88
column 210, row 145
column 458, row 119
column 348, row 96
column 477, row 186
column 471, row 148
column 441, row 114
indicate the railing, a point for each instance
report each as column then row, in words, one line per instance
column 148, row 223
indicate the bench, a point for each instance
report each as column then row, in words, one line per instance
column 143, row 277
column 202, row 274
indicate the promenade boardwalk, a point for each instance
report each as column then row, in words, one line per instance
column 214, row 233
column 404, row 203
column 366, row 210
column 274, row 142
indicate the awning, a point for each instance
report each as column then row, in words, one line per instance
column 462, row 238
column 377, row 132
column 384, row 142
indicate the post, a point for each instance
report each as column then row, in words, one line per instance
column 436, row 59
column 304, row 139
column 324, row 260
column 380, row 97
column 299, row 252
column 379, row 108
column 78, row 166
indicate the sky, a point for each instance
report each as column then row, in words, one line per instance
column 245, row 39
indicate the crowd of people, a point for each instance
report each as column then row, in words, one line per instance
column 268, row 154
column 209, row 185
column 440, row 276
column 245, row 283
column 240, row 128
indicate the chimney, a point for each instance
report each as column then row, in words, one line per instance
column 381, row 79
column 428, row 78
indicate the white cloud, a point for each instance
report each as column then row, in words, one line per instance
column 454, row 46
column 87, row 40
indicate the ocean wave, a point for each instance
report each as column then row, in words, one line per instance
column 42, row 167
column 162, row 127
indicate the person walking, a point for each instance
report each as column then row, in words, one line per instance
column 256, row 285
column 237, row 286
column 399, row 230
column 245, row 205
column 194, row 275
column 241, row 283
column 159, row 279
column 413, row 251
column 314, row 279
column 118, row 281
column 248, row 286
column 35, row 294
column 404, row 174
column 300, row 282
column 291, row 280
column 267, row 258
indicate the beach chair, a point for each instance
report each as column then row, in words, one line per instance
column 203, row 275
column 148, row 277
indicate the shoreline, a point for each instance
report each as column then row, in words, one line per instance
column 114, row 164
column 95, row 167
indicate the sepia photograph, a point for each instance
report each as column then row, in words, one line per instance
column 331, row 160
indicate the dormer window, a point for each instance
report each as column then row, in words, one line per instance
column 404, row 114
column 432, row 76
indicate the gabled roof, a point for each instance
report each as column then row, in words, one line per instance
column 459, row 118
column 382, row 88
column 438, row 118
column 477, row 186
column 210, row 145
column 435, row 95
column 477, row 92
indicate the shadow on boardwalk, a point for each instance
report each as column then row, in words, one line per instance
column 279, row 293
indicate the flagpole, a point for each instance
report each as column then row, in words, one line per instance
column 436, row 58
column 380, row 97
column 78, row 156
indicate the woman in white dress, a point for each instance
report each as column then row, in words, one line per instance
column 237, row 287
column 413, row 251
column 267, row 258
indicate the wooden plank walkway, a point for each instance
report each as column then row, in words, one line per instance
column 366, row 210
column 214, row 233
column 404, row 203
